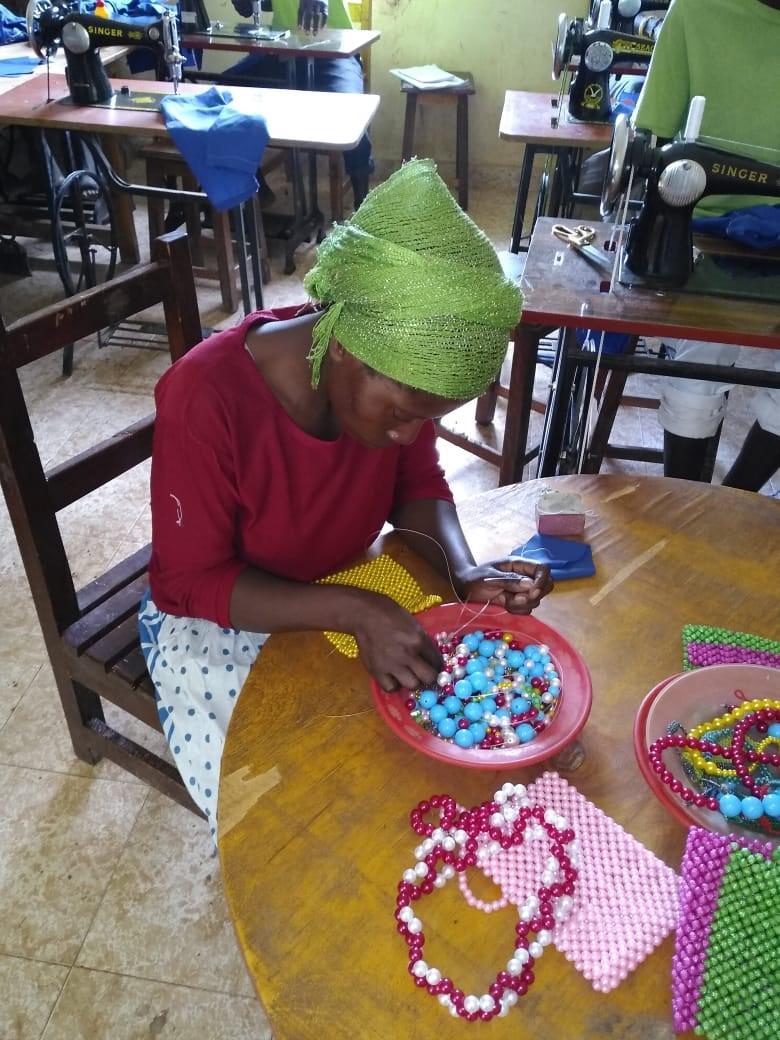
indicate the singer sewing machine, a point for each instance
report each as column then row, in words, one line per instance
column 624, row 13
column 52, row 24
column 599, row 50
column 659, row 249
column 195, row 18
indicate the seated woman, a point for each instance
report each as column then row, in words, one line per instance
column 282, row 447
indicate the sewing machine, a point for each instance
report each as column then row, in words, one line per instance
column 659, row 249
column 81, row 36
column 624, row 13
column 599, row 49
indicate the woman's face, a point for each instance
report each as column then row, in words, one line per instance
column 374, row 410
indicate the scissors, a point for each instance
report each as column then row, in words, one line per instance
column 579, row 236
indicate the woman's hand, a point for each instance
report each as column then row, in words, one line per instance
column 513, row 583
column 394, row 647
column 312, row 15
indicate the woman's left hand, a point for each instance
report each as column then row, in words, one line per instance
column 515, row 584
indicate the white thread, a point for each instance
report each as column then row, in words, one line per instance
column 179, row 513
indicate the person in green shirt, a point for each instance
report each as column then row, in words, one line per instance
column 339, row 75
column 726, row 51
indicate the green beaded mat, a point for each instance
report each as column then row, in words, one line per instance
column 704, row 645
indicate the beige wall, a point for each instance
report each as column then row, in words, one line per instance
column 504, row 43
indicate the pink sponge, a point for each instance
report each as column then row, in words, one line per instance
column 559, row 513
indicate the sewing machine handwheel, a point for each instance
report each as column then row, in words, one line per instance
column 35, row 9
column 617, row 169
column 83, row 232
column 561, row 52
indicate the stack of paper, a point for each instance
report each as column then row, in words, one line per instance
column 428, row 77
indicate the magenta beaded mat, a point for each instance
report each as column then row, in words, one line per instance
column 724, row 977
column 626, row 899
column 704, row 645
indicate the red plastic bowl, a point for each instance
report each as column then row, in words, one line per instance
column 691, row 698
column 573, row 709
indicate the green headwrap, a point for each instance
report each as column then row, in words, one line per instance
column 415, row 289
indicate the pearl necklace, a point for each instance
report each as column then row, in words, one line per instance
column 461, row 840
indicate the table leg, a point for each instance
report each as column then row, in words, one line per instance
column 127, row 239
column 462, row 151
column 557, row 406
column 518, row 408
column 409, row 119
column 522, row 196
column 252, row 217
column 238, row 217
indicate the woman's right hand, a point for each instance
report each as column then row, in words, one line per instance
column 394, row 647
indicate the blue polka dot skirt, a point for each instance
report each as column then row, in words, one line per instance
column 198, row 669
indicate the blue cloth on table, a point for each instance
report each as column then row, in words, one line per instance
column 614, row 342
column 222, row 146
column 565, row 559
column 13, row 28
column 754, row 226
column 18, row 66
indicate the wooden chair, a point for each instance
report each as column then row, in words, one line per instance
column 91, row 635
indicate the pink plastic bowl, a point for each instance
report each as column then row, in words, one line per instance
column 573, row 709
column 691, row 698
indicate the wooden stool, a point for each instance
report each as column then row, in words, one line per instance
column 164, row 161
column 446, row 96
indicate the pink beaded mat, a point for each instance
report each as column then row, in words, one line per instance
column 625, row 901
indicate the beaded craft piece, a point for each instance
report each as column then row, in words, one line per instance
column 462, row 838
column 384, row 575
column 626, row 901
column 493, row 692
column 704, row 645
column 725, row 982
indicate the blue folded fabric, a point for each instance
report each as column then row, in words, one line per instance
column 755, row 226
column 614, row 342
column 18, row 66
column 13, row 28
column 564, row 558
column 221, row 145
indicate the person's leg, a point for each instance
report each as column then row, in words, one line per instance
column 692, row 410
column 345, row 76
column 759, row 458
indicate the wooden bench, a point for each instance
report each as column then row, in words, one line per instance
column 91, row 634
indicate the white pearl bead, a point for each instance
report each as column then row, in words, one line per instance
column 419, row 968
column 461, row 837
column 461, row 650
column 409, row 877
column 499, row 798
column 486, row 1002
column 458, row 671
column 419, row 852
column 437, row 836
column 522, row 955
column 509, row 998
column 497, row 820
column 495, row 848
column 513, row 966
column 440, row 881
column 415, row 926
column 536, row 950
column 489, row 673
column 448, row 844
column 548, row 878
column 421, row 869
column 525, row 803
column 427, row 845
column 509, row 737
column 510, row 813
column 448, row 871
column 405, row 914
column 433, row 976
column 526, row 913
column 547, row 698
column 453, row 1011
column 471, row 1004
column 492, row 720
column 561, row 823
column 444, row 999
column 550, row 816
column 504, row 1010
column 544, row 937
column 520, row 790
column 443, row 678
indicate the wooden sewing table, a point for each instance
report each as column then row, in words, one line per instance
column 315, row 790
column 527, row 117
column 563, row 289
column 328, row 43
column 298, row 120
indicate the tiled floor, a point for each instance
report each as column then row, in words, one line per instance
column 113, row 922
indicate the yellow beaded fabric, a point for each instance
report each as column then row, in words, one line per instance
column 380, row 575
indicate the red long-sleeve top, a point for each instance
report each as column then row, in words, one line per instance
column 236, row 483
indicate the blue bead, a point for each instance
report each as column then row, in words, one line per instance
column 464, row 738
column 478, row 730
column 498, row 672
column 473, row 666
column 488, row 706
column 474, row 711
column 537, row 669
column 503, row 713
column 774, row 729
column 520, row 705
column 427, row 699
column 752, row 808
column 452, row 704
column 479, row 682
column 438, row 712
column 463, row 689
column 514, row 659
column 471, row 641
column 447, row 727
column 729, row 805
column 771, row 803
column 525, row 732
column 544, row 659
column 486, row 648
column 531, row 650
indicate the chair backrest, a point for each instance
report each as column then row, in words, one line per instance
column 361, row 15
column 34, row 496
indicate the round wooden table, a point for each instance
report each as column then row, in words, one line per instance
column 315, row 790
